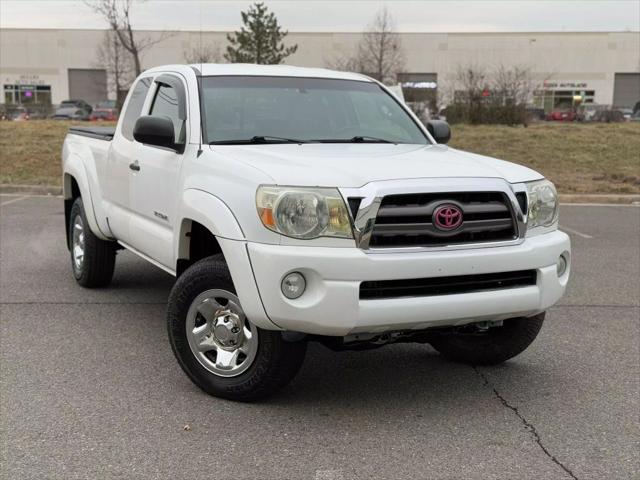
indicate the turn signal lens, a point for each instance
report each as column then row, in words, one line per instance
column 563, row 263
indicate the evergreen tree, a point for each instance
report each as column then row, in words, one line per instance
column 259, row 40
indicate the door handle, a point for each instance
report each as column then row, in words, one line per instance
column 135, row 166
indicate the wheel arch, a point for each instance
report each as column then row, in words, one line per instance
column 195, row 242
column 207, row 226
column 204, row 218
column 70, row 191
column 75, row 183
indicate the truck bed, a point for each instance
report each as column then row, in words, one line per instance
column 101, row 133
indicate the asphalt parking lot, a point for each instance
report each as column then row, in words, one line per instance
column 89, row 387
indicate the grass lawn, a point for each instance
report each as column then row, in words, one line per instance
column 579, row 158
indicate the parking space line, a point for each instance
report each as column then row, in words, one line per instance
column 35, row 195
column 634, row 204
column 13, row 201
column 575, row 232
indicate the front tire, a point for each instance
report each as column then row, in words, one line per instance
column 219, row 349
column 92, row 259
column 491, row 347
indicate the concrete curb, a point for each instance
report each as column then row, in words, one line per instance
column 564, row 198
column 31, row 189
column 623, row 199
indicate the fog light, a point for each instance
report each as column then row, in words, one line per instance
column 293, row 285
column 563, row 262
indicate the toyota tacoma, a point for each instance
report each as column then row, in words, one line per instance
column 296, row 205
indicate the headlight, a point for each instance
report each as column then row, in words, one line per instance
column 304, row 212
column 543, row 204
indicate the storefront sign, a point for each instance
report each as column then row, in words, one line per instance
column 25, row 80
column 419, row 85
column 563, row 84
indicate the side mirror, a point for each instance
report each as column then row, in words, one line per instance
column 157, row 131
column 439, row 130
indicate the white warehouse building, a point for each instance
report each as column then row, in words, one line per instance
column 46, row 66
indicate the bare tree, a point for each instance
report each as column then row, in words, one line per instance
column 118, row 14
column 468, row 90
column 512, row 85
column 469, row 83
column 499, row 95
column 345, row 63
column 203, row 54
column 380, row 50
column 112, row 56
column 379, row 53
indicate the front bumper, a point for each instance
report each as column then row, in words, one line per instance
column 331, row 304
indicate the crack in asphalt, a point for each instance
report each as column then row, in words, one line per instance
column 528, row 425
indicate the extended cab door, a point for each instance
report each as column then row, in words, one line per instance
column 121, row 164
column 156, row 184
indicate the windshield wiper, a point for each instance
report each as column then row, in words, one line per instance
column 257, row 139
column 368, row 139
column 356, row 139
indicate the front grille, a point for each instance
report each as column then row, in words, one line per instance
column 427, row 287
column 406, row 220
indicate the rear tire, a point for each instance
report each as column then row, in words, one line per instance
column 92, row 259
column 217, row 346
column 491, row 347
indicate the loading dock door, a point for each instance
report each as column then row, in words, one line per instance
column 626, row 90
column 89, row 85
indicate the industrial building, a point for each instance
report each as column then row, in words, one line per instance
column 46, row 66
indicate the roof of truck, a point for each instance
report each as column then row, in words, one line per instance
column 274, row 70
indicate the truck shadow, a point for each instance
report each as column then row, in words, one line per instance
column 408, row 377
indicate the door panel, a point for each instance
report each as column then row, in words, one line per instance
column 156, row 185
column 155, row 195
column 124, row 150
column 119, row 187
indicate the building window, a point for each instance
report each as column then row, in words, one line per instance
column 419, row 87
column 562, row 99
column 27, row 94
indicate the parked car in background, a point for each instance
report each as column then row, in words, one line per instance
column 80, row 104
column 587, row 113
column 105, row 110
column 562, row 116
column 20, row 114
column 104, row 114
column 635, row 117
column 535, row 114
column 106, row 104
column 608, row 116
column 70, row 113
column 627, row 113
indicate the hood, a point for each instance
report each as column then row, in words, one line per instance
column 354, row 165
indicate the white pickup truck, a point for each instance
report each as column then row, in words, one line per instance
column 298, row 205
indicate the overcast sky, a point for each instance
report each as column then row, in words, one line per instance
column 340, row 15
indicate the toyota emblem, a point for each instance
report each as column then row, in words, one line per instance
column 447, row 217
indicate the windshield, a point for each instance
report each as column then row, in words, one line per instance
column 256, row 109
